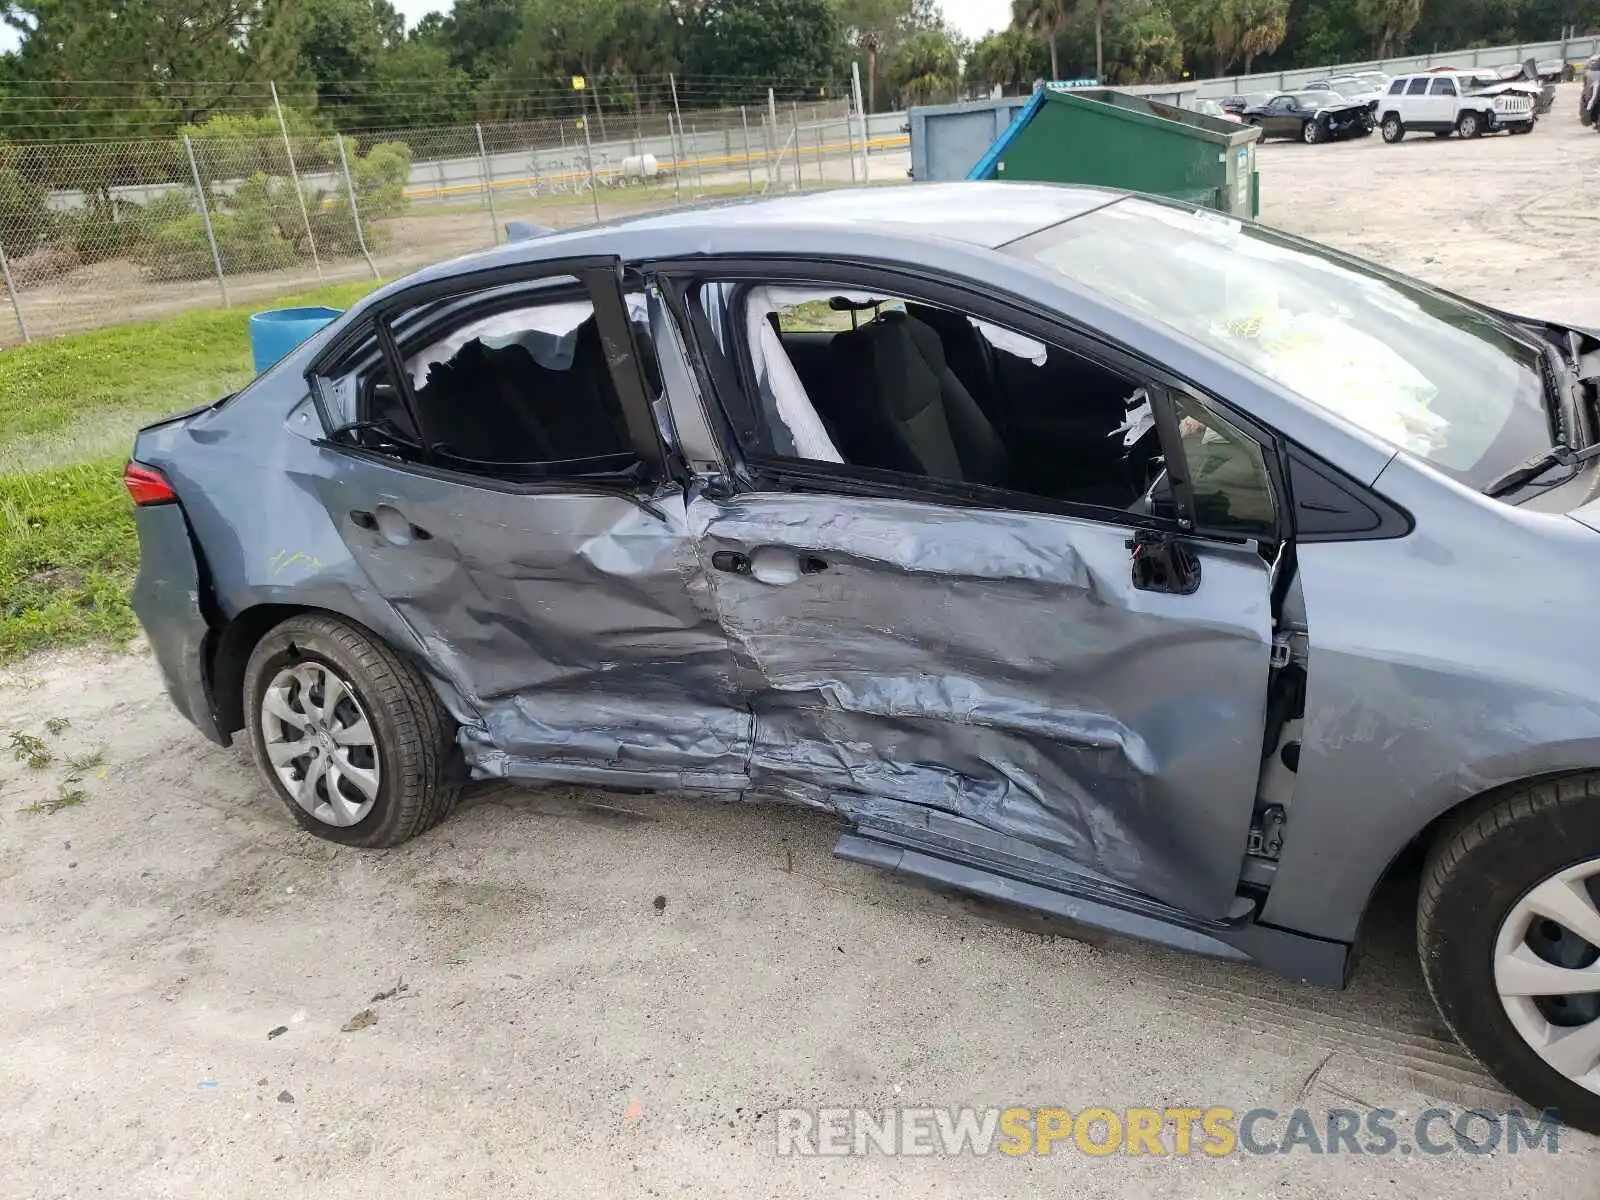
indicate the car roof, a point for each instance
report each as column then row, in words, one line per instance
column 981, row 215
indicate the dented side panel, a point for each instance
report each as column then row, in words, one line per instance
column 166, row 597
column 576, row 623
column 1002, row 667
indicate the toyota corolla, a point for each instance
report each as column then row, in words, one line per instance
column 1100, row 554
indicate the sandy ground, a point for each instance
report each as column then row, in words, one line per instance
column 611, row 995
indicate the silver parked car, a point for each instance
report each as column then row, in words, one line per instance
column 1100, row 554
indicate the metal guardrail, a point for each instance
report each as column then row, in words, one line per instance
column 1575, row 50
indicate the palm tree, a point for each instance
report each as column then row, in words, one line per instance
column 1246, row 28
column 1390, row 22
column 1100, row 7
column 1045, row 19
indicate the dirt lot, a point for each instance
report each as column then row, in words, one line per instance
column 611, row 995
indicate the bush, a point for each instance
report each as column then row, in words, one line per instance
column 259, row 224
column 24, row 220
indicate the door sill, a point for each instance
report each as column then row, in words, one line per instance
column 1116, row 910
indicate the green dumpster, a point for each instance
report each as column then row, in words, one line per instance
column 1119, row 140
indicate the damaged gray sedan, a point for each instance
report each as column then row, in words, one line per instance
column 1106, row 556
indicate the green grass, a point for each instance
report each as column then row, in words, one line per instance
column 67, row 559
column 78, row 397
column 68, row 409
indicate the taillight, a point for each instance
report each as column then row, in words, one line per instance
column 147, row 485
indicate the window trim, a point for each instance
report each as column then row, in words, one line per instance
column 755, row 469
column 603, row 280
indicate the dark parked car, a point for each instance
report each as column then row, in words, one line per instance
column 1310, row 117
column 1092, row 552
column 1237, row 104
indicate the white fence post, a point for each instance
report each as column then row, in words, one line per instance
column 205, row 214
column 11, row 290
column 294, row 177
column 866, row 134
column 749, row 168
column 488, row 188
column 355, row 213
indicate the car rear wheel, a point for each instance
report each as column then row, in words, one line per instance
column 1469, row 125
column 1393, row 129
column 1508, row 927
column 1313, row 132
column 348, row 734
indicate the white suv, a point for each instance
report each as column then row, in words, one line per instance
column 1442, row 103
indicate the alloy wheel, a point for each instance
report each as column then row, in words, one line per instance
column 320, row 743
column 1547, row 971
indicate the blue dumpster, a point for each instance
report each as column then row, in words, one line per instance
column 277, row 331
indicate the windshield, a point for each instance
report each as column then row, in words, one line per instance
column 1427, row 373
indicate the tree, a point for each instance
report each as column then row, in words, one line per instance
column 927, row 67
column 1143, row 45
column 794, row 43
column 881, row 28
column 482, row 33
column 1099, row 38
column 1324, row 31
column 1389, row 22
column 1242, row 29
column 413, row 84
column 172, row 61
column 1010, row 59
column 341, row 42
column 1044, row 19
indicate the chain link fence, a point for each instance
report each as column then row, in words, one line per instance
column 98, row 233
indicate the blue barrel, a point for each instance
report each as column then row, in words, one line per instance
column 277, row 331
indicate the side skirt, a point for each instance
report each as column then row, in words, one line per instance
column 1308, row 959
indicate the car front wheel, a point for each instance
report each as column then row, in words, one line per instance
column 1508, row 927
column 349, row 735
column 1313, row 132
column 1469, row 125
column 1393, row 130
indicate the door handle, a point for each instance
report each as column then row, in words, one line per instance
column 390, row 523
column 1163, row 563
column 769, row 564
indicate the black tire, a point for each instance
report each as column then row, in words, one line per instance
column 1255, row 124
column 1394, row 129
column 1313, row 132
column 1480, row 866
column 1469, row 125
column 414, row 737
